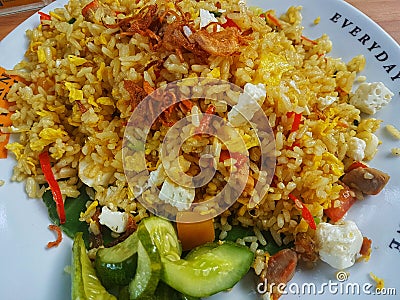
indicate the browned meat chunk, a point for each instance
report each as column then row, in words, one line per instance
column 305, row 247
column 369, row 181
column 280, row 270
column 366, row 249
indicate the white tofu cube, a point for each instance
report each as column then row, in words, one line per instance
column 356, row 149
column 115, row 220
column 371, row 97
column 179, row 196
column 248, row 104
column 339, row 244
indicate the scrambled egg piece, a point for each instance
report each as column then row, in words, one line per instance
column 76, row 60
column 380, row 283
column 74, row 93
column 274, row 66
column 47, row 136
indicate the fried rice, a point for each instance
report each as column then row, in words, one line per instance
column 84, row 75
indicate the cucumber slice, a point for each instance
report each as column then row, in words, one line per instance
column 148, row 268
column 85, row 284
column 200, row 250
column 164, row 236
column 165, row 292
column 209, row 271
column 117, row 265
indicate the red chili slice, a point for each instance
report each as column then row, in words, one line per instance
column 44, row 159
column 306, row 214
column 44, row 16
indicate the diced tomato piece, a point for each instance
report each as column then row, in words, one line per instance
column 356, row 165
column 91, row 7
column 230, row 23
column 346, row 199
column 240, row 158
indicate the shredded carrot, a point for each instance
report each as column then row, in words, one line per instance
column 274, row 21
column 188, row 104
column 309, row 40
column 341, row 91
column 6, row 82
column 59, row 236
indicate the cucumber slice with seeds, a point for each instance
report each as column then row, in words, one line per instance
column 208, row 271
column 164, row 236
column 117, row 265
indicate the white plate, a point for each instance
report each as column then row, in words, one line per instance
column 30, row 271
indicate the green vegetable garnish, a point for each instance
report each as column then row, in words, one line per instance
column 85, row 283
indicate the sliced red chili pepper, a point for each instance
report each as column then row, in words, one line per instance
column 305, row 213
column 240, row 158
column 230, row 23
column 44, row 16
column 296, row 120
column 205, row 120
column 44, row 159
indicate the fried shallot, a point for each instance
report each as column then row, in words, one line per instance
column 136, row 92
column 221, row 43
column 145, row 23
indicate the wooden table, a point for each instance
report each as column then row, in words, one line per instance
column 384, row 12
